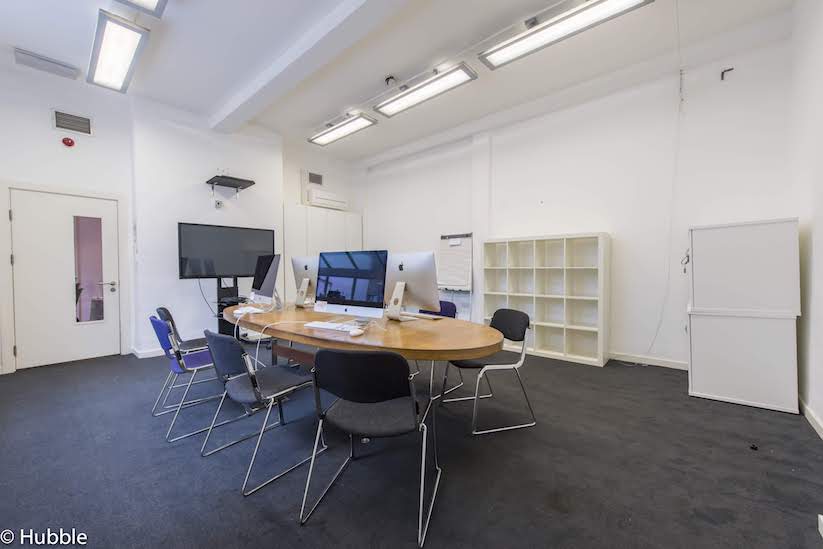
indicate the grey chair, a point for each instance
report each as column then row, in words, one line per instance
column 514, row 326
column 375, row 398
column 183, row 347
column 255, row 390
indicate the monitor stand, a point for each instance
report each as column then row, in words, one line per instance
column 395, row 309
column 301, row 299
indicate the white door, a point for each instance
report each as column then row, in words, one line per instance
column 65, row 273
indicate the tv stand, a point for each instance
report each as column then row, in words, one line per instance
column 226, row 297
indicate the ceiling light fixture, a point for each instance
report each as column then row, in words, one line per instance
column 429, row 88
column 117, row 45
column 152, row 7
column 348, row 126
column 583, row 17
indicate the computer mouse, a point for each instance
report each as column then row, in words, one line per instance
column 356, row 332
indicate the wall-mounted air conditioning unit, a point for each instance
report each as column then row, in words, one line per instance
column 325, row 199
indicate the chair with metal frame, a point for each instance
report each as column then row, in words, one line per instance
column 513, row 325
column 376, row 398
column 179, row 364
column 186, row 347
column 448, row 310
column 255, row 390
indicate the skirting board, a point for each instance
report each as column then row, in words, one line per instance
column 813, row 419
column 651, row 361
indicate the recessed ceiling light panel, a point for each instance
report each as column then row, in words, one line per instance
column 585, row 16
column 152, row 7
column 117, row 46
column 347, row 127
column 430, row 88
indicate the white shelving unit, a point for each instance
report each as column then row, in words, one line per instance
column 562, row 283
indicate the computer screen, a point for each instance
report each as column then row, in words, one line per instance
column 260, row 271
column 352, row 278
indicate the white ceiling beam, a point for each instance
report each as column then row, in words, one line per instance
column 341, row 28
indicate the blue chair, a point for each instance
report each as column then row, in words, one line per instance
column 186, row 347
column 255, row 390
column 447, row 309
column 180, row 364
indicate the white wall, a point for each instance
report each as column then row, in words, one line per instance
column 337, row 174
column 172, row 161
column 609, row 165
column 156, row 161
column 31, row 154
column 808, row 165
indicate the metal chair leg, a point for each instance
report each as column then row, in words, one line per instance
column 510, row 427
column 214, row 424
column 184, row 404
column 159, row 396
column 171, row 408
column 263, row 429
column 463, row 399
column 304, row 519
column 422, row 528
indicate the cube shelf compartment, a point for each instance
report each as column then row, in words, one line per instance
column 495, row 254
column 521, row 254
column 561, row 282
column 549, row 339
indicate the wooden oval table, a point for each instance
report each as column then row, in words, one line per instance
column 444, row 339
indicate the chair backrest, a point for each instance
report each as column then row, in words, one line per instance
column 447, row 308
column 362, row 376
column 163, row 333
column 512, row 324
column 165, row 316
column 227, row 355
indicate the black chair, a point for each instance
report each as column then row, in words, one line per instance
column 375, row 398
column 448, row 310
column 255, row 390
column 513, row 325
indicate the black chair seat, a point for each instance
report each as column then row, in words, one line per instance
column 272, row 380
column 193, row 344
column 374, row 419
column 500, row 357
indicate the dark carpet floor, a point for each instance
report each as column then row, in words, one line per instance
column 621, row 457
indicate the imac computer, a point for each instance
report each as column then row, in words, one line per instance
column 411, row 281
column 351, row 283
column 265, row 277
column 305, row 278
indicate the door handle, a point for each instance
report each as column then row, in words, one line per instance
column 113, row 285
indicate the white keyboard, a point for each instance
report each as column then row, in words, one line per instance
column 336, row 326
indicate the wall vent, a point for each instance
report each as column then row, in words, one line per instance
column 43, row 63
column 315, row 178
column 72, row 122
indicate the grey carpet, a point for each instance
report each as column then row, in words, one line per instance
column 621, row 457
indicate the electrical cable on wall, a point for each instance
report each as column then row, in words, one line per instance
column 675, row 173
column 200, row 285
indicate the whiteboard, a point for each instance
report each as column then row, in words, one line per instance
column 454, row 262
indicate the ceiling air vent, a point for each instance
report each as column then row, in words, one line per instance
column 72, row 122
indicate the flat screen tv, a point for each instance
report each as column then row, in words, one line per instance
column 215, row 251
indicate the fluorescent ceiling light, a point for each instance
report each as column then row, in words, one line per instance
column 117, row 45
column 589, row 14
column 152, row 7
column 343, row 129
column 431, row 87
